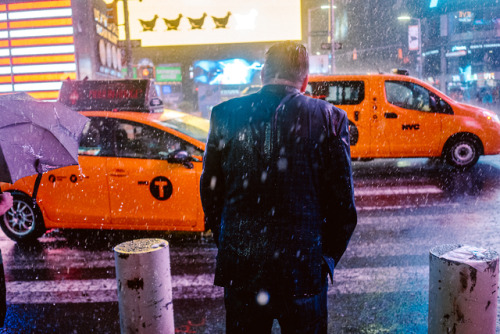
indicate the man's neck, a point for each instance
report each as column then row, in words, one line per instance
column 282, row 82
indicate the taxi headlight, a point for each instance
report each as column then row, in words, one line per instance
column 492, row 116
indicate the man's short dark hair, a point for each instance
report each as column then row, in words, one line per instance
column 286, row 60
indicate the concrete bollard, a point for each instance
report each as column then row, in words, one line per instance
column 463, row 290
column 144, row 286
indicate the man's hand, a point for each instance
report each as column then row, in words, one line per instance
column 6, row 202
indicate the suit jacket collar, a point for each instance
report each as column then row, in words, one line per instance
column 279, row 89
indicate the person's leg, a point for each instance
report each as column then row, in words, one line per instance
column 305, row 315
column 244, row 315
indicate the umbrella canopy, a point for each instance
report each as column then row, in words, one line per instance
column 36, row 136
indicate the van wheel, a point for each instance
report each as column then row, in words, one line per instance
column 462, row 152
column 24, row 221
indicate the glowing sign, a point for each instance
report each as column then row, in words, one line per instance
column 40, row 52
column 225, row 72
column 433, row 4
column 174, row 22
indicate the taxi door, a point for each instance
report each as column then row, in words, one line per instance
column 413, row 124
column 354, row 97
column 77, row 196
column 380, row 143
column 147, row 190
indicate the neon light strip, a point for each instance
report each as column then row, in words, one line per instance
column 37, row 86
column 3, row 7
column 66, row 21
column 4, row 52
column 42, row 59
column 48, row 95
column 42, row 41
column 38, row 14
column 4, row 34
column 5, row 70
column 5, row 88
column 43, row 77
column 4, row 61
column 44, row 68
column 42, row 50
column 3, row 16
column 40, row 4
column 41, row 32
column 5, row 79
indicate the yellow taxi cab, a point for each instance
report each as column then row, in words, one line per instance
column 396, row 116
column 139, row 167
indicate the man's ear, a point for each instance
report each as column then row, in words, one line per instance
column 304, row 84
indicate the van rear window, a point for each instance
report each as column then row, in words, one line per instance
column 338, row 92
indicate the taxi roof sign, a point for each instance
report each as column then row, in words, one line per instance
column 110, row 95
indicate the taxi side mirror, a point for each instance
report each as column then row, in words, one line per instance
column 181, row 157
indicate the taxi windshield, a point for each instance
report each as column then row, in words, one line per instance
column 193, row 126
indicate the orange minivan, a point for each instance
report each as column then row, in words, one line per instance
column 139, row 167
column 396, row 116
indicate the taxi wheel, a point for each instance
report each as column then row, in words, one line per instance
column 462, row 152
column 24, row 221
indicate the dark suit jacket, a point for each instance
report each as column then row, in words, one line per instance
column 277, row 190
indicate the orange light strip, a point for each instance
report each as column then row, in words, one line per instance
column 42, row 41
column 3, row 25
column 3, row 8
column 40, row 23
column 43, row 59
column 4, row 61
column 40, row 4
column 45, row 95
column 44, row 77
column 4, row 44
column 5, row 79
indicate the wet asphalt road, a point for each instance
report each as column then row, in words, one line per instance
column 66, row 282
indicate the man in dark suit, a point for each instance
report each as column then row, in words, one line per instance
column 277, row 193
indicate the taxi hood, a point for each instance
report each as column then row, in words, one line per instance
column 472, row 111
column 110, row 95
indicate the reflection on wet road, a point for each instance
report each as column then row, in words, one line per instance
column 66, row 282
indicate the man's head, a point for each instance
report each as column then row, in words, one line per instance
column 287, row 63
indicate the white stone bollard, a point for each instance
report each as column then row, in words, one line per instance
column 463, row 290
column 144, row 286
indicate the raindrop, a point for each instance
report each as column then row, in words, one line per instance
column 282, row 164
column 262, row 298
column 213, row 182
column 263, row 177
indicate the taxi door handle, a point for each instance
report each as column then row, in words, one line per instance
column 119, row 172
column 390, row 115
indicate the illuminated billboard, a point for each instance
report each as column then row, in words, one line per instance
column 37, row 48
column 226, row 72
column 192, row 22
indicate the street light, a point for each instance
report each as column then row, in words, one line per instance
column 420, row 60
column 331, row 30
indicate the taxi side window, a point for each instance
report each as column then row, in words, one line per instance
column 408, row 95
column 94, row 141
column 338, row 92
column 136, row 140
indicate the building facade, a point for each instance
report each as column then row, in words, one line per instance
column 461, row 49
column 43, row 43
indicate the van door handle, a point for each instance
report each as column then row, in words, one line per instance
column 356, row 115
column 390, row 115
column 119, row 173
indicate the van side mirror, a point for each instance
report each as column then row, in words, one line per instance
column 181, row 157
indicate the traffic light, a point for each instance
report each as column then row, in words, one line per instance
column 146, row 72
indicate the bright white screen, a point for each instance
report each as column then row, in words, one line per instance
column 249, row 21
